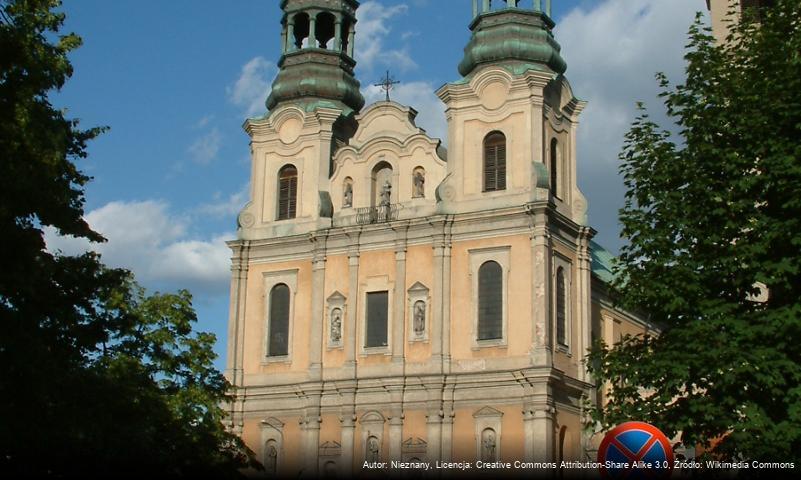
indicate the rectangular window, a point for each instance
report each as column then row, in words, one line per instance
column 377, row 313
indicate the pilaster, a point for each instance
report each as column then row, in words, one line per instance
column 399, row 314
column 541, row 347
column 317, row 308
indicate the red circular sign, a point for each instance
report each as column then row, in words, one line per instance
column 635, row 450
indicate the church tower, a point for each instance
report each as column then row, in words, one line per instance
column 312, row 106
column 394, row 300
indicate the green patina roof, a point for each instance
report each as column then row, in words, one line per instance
column 602, row 262
column 316, row 77
column 517, row 39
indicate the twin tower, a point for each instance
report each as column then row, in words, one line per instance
column 392, row 299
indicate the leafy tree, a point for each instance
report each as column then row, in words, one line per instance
column 95, row 376
column 711, row 213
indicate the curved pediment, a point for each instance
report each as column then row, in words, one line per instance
column 385, row 119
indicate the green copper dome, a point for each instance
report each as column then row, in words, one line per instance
column 316, row 68
column 311, row 75
column 512, row 37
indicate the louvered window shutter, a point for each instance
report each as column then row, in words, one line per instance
column 278, row 343
column 287, row 192
column 561, row 307
column 377, row 310
column 490, row 301
column 494, row 162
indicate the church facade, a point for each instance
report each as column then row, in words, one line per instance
column 394, row 300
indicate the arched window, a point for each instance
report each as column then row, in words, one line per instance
column 278, row 323
column 494, row 162
column 554, row 167
column 490, row 301
column 287, row 192
column 300, row 29
column 561, row 307
column 382, row 184
column 324, row 29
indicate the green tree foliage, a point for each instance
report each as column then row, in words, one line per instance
column 710, row 212
column 95, row 376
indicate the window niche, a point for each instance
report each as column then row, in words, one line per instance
column 494, row 164
column 272, row 439
column 347, row 193
column 418, row 309
column 488, row 433
column 336, row 320
column 419, row 183
column 287, row 192
column 372, row 427
column 562, row 301
column 375, row 316
column 489, row 278
column 279, row 306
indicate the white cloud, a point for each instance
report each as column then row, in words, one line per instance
column 373, row 28
column 613, row 49
column 147, row 239
column 226, row 206
column 205, row 148
column 421, row 97
column 251, row 89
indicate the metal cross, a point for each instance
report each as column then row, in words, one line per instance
column 387, row 84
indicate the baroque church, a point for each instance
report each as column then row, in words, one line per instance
column 392, row 299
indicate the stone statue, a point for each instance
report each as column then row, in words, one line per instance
column 488, row 445
column 372, row 450
column 419, row 318
column 336, row 325
column 271, row 460
column 386, row 194
column 347, row 200
column 419, row 184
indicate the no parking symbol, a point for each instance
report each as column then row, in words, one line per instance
column 635, row 450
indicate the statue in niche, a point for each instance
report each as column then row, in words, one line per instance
column 419, row 318
column 419, row 184
column 488, row 445
column 336, row 325
column 386, row 194
column 347, row 195
column 271, row 459
column 372, row 450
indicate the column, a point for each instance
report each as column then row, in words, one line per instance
column 312, row 29
column 541, row 350
column 446, row 306
column 338, row 33
column 434, row 434
column 311, row 433
column 584, row 300
column 236, row 314
column 317, row 308
column 487, row 5
column 538, row 5
column 399, row 311
column 548, row 7
column 351, row 40
column 529, row 432
column 446, row 451
column 351, row 342
column 348, row 421
column 395, row 421
column 290, row 35
column 437, row 296
column 543, row 426
column 475, row 8
column 236, row 334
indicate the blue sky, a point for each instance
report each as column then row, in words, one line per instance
column 175, row 80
